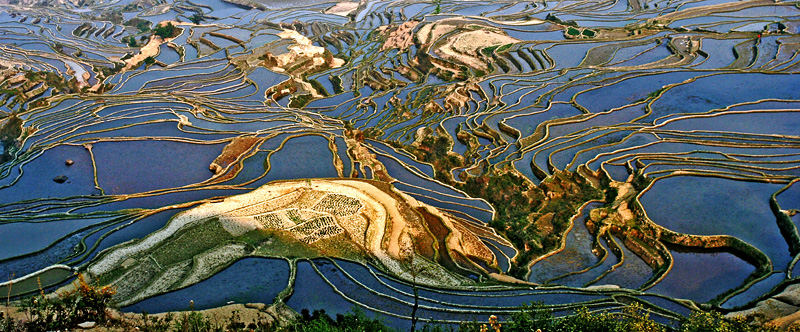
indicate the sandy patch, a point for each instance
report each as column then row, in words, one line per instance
column 343, row 8
column 151, row 49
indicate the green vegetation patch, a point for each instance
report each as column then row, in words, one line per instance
column 336, row 81
column 196, row 18
column 166, row 31
column 514, row 198
column 191, row 242
column 142, row 25
column 130, row 41
column 319, row 87
column 300, row 101
column 573, row 32
column 434, row 149
column 504, row 47
column 487, row 51
column 64, row 311
column 283, row 244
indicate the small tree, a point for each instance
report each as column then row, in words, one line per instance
column 196, row 18
column 407, row 256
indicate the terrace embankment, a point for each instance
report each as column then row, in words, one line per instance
column 343, row 8
column 450, row 48
column 361, row 220
column 23, row 89
column 296, row 56
column 226, row 165
column 533, row 218
column 624, row 217
column 782, row 308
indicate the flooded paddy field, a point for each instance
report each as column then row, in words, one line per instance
column 573, row 153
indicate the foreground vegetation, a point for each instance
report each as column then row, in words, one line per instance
column 86, row 303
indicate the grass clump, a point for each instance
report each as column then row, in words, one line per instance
column 197, row 18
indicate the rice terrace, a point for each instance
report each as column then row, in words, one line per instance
column 418, row 162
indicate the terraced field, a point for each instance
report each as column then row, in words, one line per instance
column 577, row 153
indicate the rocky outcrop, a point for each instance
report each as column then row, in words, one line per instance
column 781, row 310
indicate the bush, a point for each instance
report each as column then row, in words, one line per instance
column 632, row 318
column 196, row 18
column 319, row 321
column 142, row 25
column 165, row 31
column 68, row 309
column 87, row 303
column 8, row 324
column 129, row 40
column 711, row 321
column 573, row 32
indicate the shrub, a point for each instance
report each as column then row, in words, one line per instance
column 712, row 321
column 165, row 31
column 196, row 18
column 142, row 25
column 504, row 47
column 319, row 321
column 87, row 303
column 573, row 32
column 68, row 309
column 129, row 40
column 8, row 324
